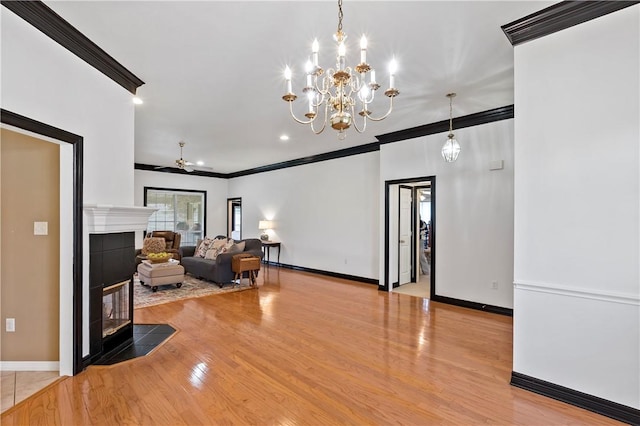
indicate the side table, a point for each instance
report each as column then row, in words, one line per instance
column 266, row 247
column 241, row 263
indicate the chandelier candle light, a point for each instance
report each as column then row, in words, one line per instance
column 340, row 90
column 451, row 147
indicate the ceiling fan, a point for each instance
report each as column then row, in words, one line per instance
column 181, row 163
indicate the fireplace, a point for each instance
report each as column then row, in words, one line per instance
column 111, row 269
column 111, row 235
column 115, row 308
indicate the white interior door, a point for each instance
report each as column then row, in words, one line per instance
column 404, row 233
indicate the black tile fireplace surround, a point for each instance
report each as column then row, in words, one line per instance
column 111, row 261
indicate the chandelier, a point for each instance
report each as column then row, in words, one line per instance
column 340, row 90
column 451, row 147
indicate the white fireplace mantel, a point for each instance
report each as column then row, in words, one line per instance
column 104, row 218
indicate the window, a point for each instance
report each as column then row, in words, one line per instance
column 181, row 211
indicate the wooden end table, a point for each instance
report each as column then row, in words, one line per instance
column 245, row 263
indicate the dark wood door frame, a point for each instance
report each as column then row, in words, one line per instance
column 384, row 283
column 231, row 202
column 33, row 126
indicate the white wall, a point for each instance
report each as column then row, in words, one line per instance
column 216, row 195
column 43, row 81
column 577, row 267
column 326, row 213
column 474, row 209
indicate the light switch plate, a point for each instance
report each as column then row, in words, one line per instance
column 40, row 228
column 10, row 325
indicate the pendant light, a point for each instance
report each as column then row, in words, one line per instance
column 451, row 147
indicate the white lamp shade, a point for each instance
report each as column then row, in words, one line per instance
column 450, row 150
column 265, row 224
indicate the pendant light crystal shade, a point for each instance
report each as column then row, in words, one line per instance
column 451, row 147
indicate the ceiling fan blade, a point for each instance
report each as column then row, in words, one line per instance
column 187, row 168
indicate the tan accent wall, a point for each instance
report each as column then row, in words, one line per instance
column 30, row 264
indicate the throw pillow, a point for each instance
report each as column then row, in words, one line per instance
column 201, row 251
column 237, row 247
column 153, row 245
column 218, row 246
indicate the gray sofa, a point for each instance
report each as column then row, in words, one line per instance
column 217, row 270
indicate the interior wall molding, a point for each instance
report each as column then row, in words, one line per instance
column 592, row 403
column 55, row 27
column 29, row 365
column 558, row 17
column 161, row 169
column 476, row 119
column 332, row 155
column 327, row 273
column 473, row 305
column 584, row 293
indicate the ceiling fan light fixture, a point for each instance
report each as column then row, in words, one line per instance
column 340, row 90
column 451, row 147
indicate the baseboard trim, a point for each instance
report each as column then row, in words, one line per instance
column 327, row 273
column 592, row 403
column 473, row 305
column 30, row 365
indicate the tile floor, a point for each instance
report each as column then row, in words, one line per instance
column 420, row 289
column 18, row 385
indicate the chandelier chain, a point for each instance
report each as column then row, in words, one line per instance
column 340, row 16
column 450, row 114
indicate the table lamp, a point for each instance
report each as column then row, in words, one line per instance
column 264, row 225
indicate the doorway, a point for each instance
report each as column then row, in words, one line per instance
column 234, row 218
column 409, row 251
column 71, row 290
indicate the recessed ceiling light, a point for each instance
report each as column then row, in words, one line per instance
column 199, row 163
column 137, row 100
column 284, row 138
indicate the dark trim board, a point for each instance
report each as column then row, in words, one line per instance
column 59, row 30
column 332, row 155
column 473, row 305
column 33, row 126
column 326, row 273
column 162, row 169
column 484, row 117
column 579, row 399
column 558, row 17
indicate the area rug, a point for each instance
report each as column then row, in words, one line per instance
column 191, row 287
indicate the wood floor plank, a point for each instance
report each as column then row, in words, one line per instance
column 304, row 349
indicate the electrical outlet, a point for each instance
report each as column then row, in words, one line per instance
column 494, row 285
column 11, row 325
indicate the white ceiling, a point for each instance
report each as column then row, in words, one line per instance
column 213, row 69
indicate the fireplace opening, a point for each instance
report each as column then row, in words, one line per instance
column 115, row 308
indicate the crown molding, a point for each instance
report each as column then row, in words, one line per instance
column 558, row 17
column 55, row 27
column 484, row 117
column 355, row 150
column 163, row 169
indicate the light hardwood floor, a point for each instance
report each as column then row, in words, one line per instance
column 308, row 350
